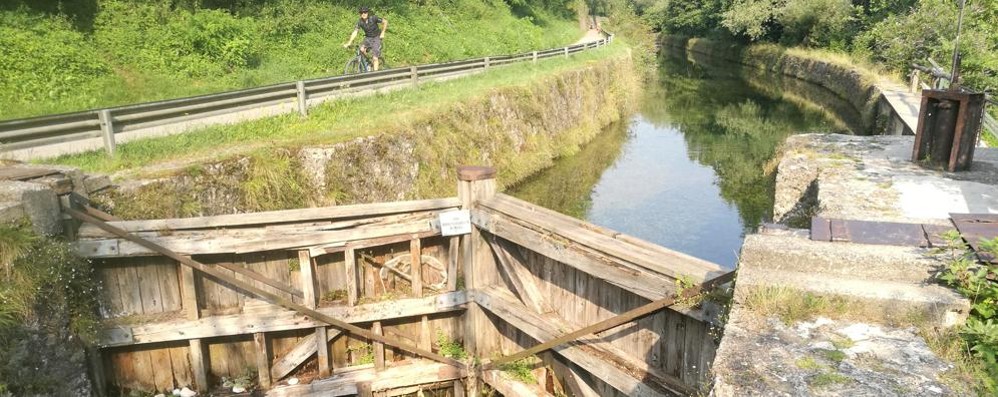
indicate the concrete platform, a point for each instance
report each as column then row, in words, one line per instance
column 871, row 178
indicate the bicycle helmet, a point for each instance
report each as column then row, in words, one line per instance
column 364, row 9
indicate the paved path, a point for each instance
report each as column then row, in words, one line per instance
column 590, row 36
column 905, row 104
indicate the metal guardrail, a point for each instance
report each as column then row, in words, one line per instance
column 37, row 132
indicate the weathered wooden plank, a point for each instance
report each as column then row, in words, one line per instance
column 606, row 268
column 322, row 350
column 227, row 242
column 416, row 266
column 379, row 348
column 620, row 319
column 199, row 363
column 520, row 277
column 261, row 293
column 169, row 286
column 353, row 273
column 148, row 286
column 345, row 381
column 189, row 289
column 630, row 249
column 505, row 306
column 280, row 320
column 162, row 368
column 509, row 387
column 181, row 366
column 283, row 216
column 131, row 295
column 262, row 350
column 375, row 242
column 305, row 348
column 453, row 248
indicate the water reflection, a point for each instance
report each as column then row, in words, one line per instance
column 693, row 171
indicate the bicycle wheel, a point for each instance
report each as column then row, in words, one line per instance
column 353, row 66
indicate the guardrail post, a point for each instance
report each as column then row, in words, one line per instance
column 914, row 81
column 534, row 60
column 413, row 75
column 487, row 62
column 566, row 52
column 302, row 99
column 107, row 130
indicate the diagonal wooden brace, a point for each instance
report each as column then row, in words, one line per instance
column 265, row 295
column 615, row 321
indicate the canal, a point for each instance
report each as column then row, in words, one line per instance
column 693, row 170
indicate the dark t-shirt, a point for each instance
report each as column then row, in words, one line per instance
column 370, row 28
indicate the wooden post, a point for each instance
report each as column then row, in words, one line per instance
column 302, row 98
column 199, row 364
column 413, row 75
column 379, row 348
column 534, row 58
column 477, row 183
column 262, row 359
column 189, row 290
column 310, row 290
column 415, row 252
column 452, row 262
column 107, row 130
column 350, row 259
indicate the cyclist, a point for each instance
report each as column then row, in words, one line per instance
column 372, row 34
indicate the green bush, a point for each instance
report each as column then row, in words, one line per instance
column 43, row 59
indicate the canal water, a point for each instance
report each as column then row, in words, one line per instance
column 693, row 170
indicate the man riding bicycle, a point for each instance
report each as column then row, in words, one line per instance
column 372, row 34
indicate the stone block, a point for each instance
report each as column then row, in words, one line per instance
column 39, row 203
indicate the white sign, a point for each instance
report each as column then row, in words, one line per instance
column 453, row 223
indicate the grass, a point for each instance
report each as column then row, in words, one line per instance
column 792, row 305
column 826, row 379
column 332, row 122
column 521, row 370
column 450, row 348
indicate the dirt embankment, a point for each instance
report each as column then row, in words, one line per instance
column 519, row 129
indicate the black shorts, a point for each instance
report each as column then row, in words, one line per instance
column 373, row 44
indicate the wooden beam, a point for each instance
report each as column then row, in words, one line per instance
column 305, row 348
column 641, row 253
column 453, row 248
column 353, row 275
column 375, row 242
column 618, row 320
column 266, row 295
column 104, row 216
column 199, row 363
column 509, row 387
column 310, row 290
column 322, row 351
column 262, row 359
column 602, row 363
column 415, row 252
column 345, row 381
column 189, row 290
column 287, row 216
column 645, row 284
column 277, row 320
column 379, row 349
column 263, row 279
column 239, row 242
column 578, row 385
column 520, row 277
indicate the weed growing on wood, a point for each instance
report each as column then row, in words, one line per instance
column 362, row 354
column 521, row 370
column 449, row 347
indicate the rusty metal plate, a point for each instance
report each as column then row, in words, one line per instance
column 821, row 229
column 934, row 233
column 879, row 233
column 22, row 174
column 977, row 228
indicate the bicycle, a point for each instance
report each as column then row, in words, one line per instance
column 360, row 63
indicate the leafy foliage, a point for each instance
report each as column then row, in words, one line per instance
column 971, row 279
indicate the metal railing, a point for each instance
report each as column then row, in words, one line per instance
column 24, row 138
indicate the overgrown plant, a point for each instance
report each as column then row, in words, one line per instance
column 971, row 279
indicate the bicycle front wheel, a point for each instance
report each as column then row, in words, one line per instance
column 353, row 66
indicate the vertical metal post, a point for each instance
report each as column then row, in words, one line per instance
column 302, row 99
column 914, row 81
column 107, row 130
column 413, row 75
column 566, row 52
column 534, row 60
column 487, row 62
